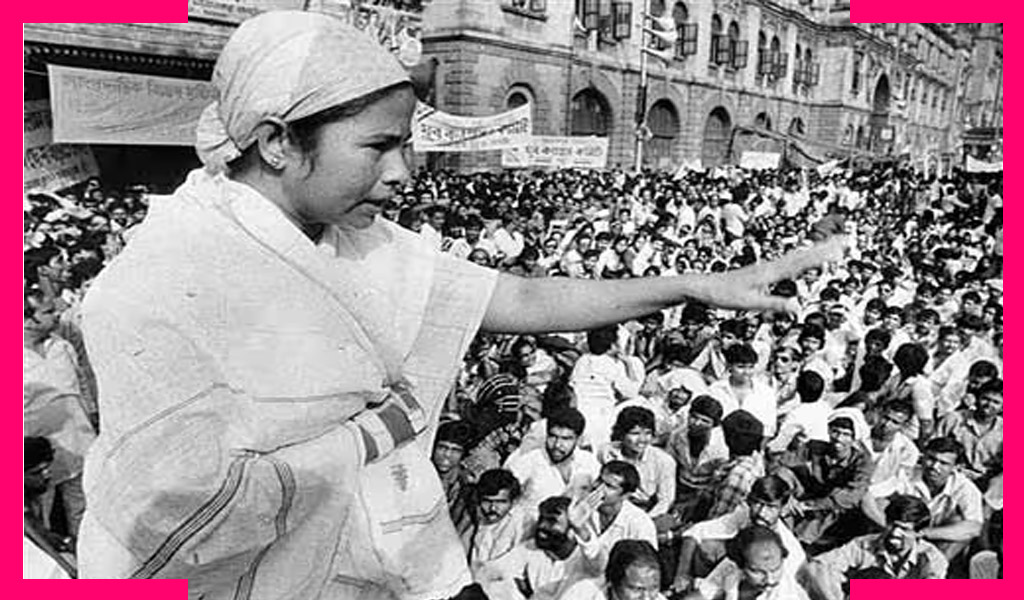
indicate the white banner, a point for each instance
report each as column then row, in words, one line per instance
column 435, row 131
column 103, row 107
column 760, row 160
column 694, row 164
column 558, row 152
column 978, row 166
column 48, row 167
column 236, row 11
column 825, row 169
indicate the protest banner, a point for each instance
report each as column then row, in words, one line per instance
column 103, row 107
column 436, row 131
column 978, row 166
column 558, row 153
column 760, row 160
column 48, row 167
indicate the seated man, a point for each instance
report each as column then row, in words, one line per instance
column 755, row 569
column 896, row 553
column 896, row 455
column 542, row 568
column 500, row 524
column 699, row 450
column 979, row 430
column 450, row 445
column 744, row 437
column 632, row 435
column 703, row 544
column 633, row 572
column 741, row 390
column 831, row 477
column 954, row 502
column 605, row 516
column 560, row 467
column 809, row 419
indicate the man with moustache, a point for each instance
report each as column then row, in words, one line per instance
column 899, row 552
column 698, row 448
column 703, row 544
column 500, row 525
column 633, row 573
column 450, row 445
column 954, row 502
column 896, row 455
column 542, row 568
column 754, row 570
column 559, row 468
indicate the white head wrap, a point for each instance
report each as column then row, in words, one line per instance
column 287, row 65
column 861, row 430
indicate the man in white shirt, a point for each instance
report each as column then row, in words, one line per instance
column 600, row 379
column 755, row 569
column 632, row 435
column 741, row 390
column 809, row 420
column 704, row 544
column 433, row 228
column 559, row 468
column 500, row 524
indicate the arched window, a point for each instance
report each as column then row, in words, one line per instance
column 848, row 135
column 763, row 120
column 855, row 86
column 716, row 39
column 796, row 127
column 775, row 52
column 684, row 45
column 798, row 65
column 663, row 121
column 717, row 129
column 591, row 114
column 734, row 43
column 762, row 55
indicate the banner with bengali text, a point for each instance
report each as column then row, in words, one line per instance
column 760, row 160
column 978, row 166
column 104, row 107
column 436, row 131
column 48, row 167
column 558, row 152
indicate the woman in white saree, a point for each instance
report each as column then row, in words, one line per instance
column 272, row 357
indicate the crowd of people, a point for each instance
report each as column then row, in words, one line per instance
column 695, row 452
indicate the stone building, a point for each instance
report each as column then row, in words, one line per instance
column 796, row 67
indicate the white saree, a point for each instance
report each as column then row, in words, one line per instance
column 236, row 361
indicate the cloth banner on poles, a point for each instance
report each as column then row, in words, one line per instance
column 558, row 152
column 101, row 107
column 978, row 166
column 48, row 167
column 760, row 160
column 436, row 131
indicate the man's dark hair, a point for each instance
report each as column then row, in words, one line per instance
column 743, row 433
column 740, row 354
column 492, row 481
column 877, row 305
column 971, row 296
column 554, row 506
column 38, row 450
column 992, row 386
column 629, row 553
column 983, row 368
column 455, row 432
column 911, row 359
column 874, row 373
column 602, row 339
column 736, row 327
column 736, row 548
column 810, row 386
column 567, row 418
column 907, row 509
column 903, row 406
column 770, row 488
column 630, row 417
column 625, row 471
column 945, row 445
column 880, row 335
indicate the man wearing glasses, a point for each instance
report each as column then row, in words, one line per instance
column 954, row 502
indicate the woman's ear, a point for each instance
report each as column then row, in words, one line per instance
column 275, row 149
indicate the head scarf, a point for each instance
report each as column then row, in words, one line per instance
column 861, row 431
column 284, row 66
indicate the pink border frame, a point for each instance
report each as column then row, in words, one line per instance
column 176, row 11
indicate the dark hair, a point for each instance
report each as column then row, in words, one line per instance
column 810, row 330
column 492, row 481
column 901, row 405
column 627, row 472
column 455, row 432
column 877, row 305
column 602, row 339
column 907, row 509
column 810, row 386
column 992, row 386
column 629, row 553
column 630, row 417
column 911, row 359
column 736, row 327
column 736, row 548
column 567, row 418
column 880, row 335
column 945, row 445
column 874, row 373
column 971, row 296
column 983, row 368
column 554, row 506
column 770, row 488
column 740, row 354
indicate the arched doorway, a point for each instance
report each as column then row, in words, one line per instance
column 880, row 116
column 763, row 120
column 663, row 121
column 716, row 138
column 591, row 114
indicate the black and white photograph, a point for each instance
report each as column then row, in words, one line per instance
column 513, row 300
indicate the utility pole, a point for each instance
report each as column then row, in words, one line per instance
column 641, row 97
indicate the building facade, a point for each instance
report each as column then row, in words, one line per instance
column 796, row 67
